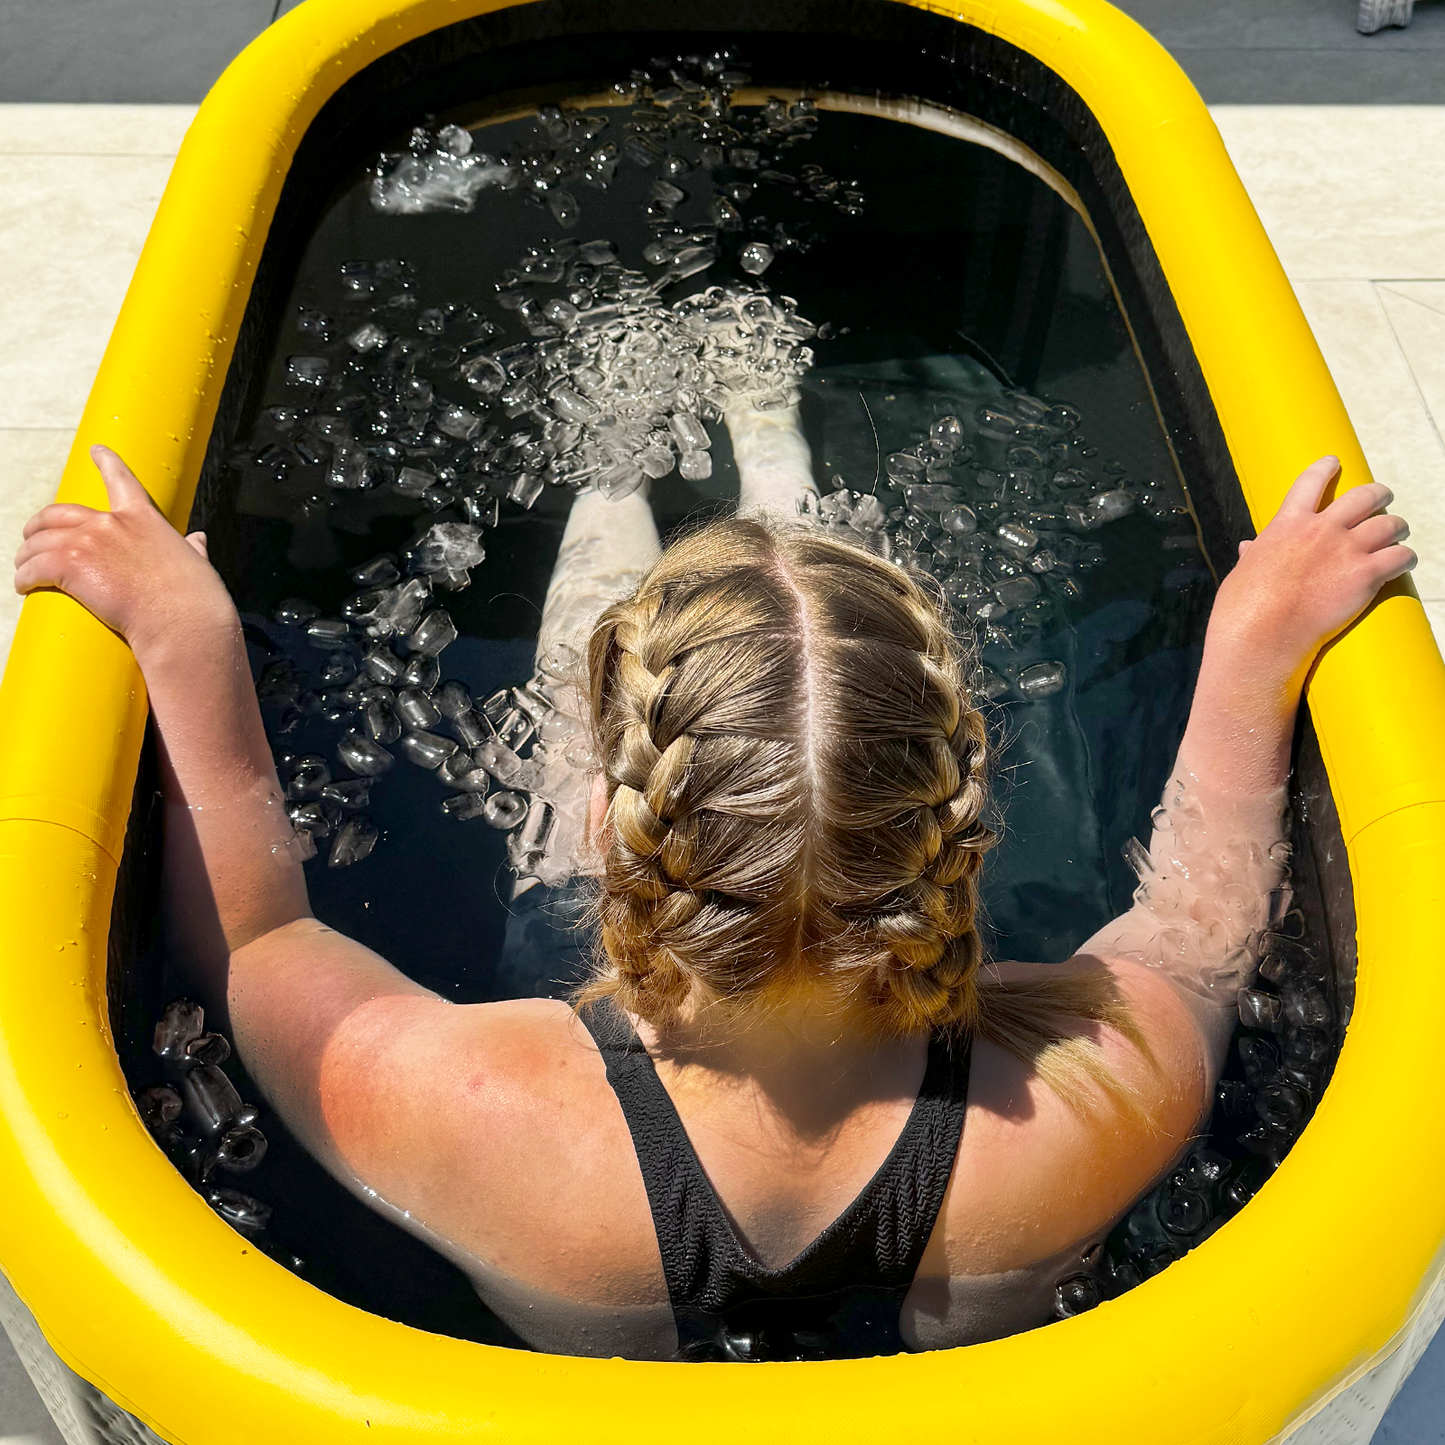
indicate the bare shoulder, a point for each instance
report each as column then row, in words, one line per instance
column 1037, row 1172
column 407, row 1071
column 494, row 1126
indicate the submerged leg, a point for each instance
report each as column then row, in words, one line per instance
column 775, row 468
column 606, row 548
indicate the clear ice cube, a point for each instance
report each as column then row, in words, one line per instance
column 363, row 756
column 416, row 709
column 1043, row 679
column 448, row 547
column 452, row 699
column 426, row 750
column 755, row 257
column 354, row 839
column 505, row 810
column 433, row 633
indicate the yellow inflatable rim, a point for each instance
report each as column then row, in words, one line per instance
column 145, row 1292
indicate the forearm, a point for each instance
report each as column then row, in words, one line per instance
column 225, row 810
column 1216, row 862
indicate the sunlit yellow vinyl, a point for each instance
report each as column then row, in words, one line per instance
column 145, row 1292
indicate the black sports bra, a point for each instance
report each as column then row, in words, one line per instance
column 840, row 1298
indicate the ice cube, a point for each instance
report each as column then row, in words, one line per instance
column 621, row 481
column 348, row 792
column 308, row 371
column 159, row 1107
column 416, row 709
column 465, row 806
column 457, row 421
column 695, row 466
column 379, row 572
column 426, row 750
column 368, row 337
column 181, row 1022
column 241, row 1149
column 1076, row 1295
column 1258, row 1009
column 453, row 700
column 505, row 810
column 1017, row 538
column 243, row 1213
column 354, row 839
column 902, row 467
column 1183, row 1211
column 597, row 253
column 381, row 663
column 525, row 488
column 499, row 760
column 421, row 672
column 1260, row 1061
column 328, row 633
column 559, row 312
column 564, row 208
column 460, row 771
column 363, row 756
column 471, row 730
column 381, row 722
column 454, row 140
column 413, row 481
column 211, row 1101
column 931, row 498
column 691, row 435
column 755, row 258
column 1043, row 679
column 946, row 433
column 1281, row 1105
column 434, row 632
column 961, row 521
column 1016, row 592
column 448, row 547
column 689, row 261
column 309, row 775
column 295, row 611
column 571, row 406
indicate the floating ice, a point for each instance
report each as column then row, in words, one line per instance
column 448, row 547
column 1043, row 679
column 362, row 755
column 354, row 840
column 426, row 750
column 435, row 179
column 755, row 257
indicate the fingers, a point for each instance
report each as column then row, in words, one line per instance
column 1307, row 489
column 58, row 514
column 41, row 570
column 39, row 543
column 121, row 484
column 198, row 541
column 1381, row 531
column 1392, row 562
column 1244, row 546
column 1358, row 503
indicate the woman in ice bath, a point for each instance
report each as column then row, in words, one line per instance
column 797, row 1112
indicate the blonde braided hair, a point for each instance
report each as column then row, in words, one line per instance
column 797, row 797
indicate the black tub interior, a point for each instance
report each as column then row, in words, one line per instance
column 965, row 280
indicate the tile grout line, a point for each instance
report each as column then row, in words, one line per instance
column 1410, row 370
column 1384, row 286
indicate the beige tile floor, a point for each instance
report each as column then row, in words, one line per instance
column 1353, row 198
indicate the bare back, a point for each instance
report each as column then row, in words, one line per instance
column 492, row 1131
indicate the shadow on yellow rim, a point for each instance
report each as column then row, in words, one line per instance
column 149, row 1295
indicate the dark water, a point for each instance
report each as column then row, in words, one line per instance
column 965, row 282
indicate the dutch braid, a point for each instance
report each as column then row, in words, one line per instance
column 797, row 797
